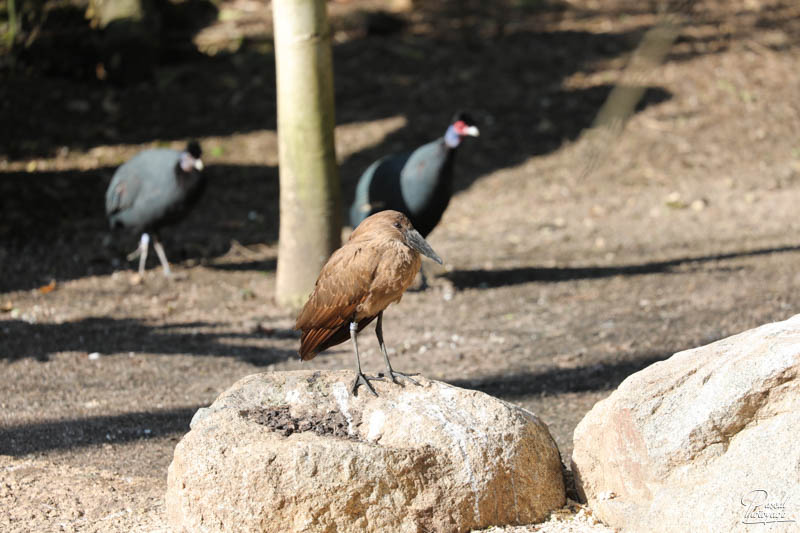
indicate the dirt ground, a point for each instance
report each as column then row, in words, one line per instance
column 559, row 282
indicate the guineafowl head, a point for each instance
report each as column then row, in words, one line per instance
column 461, row 126
column 190, row 158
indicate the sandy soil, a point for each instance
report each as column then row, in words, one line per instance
column 558, row 282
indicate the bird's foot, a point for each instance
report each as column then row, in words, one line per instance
column 394, row 375
column 361, row 379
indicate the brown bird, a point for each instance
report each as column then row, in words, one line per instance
column 372, row 270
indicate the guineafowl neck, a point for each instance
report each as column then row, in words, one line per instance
column 445, row 183
column 187, row 179
column 191, row 186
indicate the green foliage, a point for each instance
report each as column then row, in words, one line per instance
column 22, row 20
column 10, row 27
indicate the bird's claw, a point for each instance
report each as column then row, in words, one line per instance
column 361, row 379
column 394, row 375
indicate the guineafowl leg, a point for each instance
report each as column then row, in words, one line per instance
column 161, row 255
column 141, row 252
column 424, row 283
column 393, row 374
column 361, row 379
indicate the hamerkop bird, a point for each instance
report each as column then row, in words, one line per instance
column 372, row 270
column 153, row 189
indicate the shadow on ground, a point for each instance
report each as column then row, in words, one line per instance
column 479, row 278
column 552, row 382
column 111, row 429
column 113, row 336
column 499, row 59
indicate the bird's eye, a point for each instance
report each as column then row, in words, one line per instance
column 397, row 225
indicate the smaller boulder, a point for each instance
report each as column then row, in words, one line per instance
column 295, row 451
column 704, row 441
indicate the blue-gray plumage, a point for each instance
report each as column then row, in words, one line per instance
column 418, row 183
column 153, row 189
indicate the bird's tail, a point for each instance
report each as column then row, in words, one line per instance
column 314, row 341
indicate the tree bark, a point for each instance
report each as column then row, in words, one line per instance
column 310, row 214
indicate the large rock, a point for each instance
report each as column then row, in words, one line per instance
column 295, row 451
column 708, row 440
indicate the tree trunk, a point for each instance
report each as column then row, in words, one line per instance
column 310, row 214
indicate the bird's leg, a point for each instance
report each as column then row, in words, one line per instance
column 141, row 252
column 361, row 379
column 161, row 255
column 393, row 374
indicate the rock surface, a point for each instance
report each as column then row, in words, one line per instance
column 704, row 441
column 295, row 451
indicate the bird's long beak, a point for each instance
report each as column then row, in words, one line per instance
column 472, row 131
column 417, row 242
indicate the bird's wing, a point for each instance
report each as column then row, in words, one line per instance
column 122, row 191
column 361, row 207
column 378, row 188
column 421, row 174
column 149, row 174
column 342, row 285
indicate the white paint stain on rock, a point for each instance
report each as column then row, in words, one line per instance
column 375, row 427
column 293, row 396
column 342, row 396
column 459, row 435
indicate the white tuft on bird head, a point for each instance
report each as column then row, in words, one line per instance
column 464, row 129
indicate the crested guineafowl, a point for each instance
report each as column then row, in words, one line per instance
column 417, row 183
column 153, row 189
